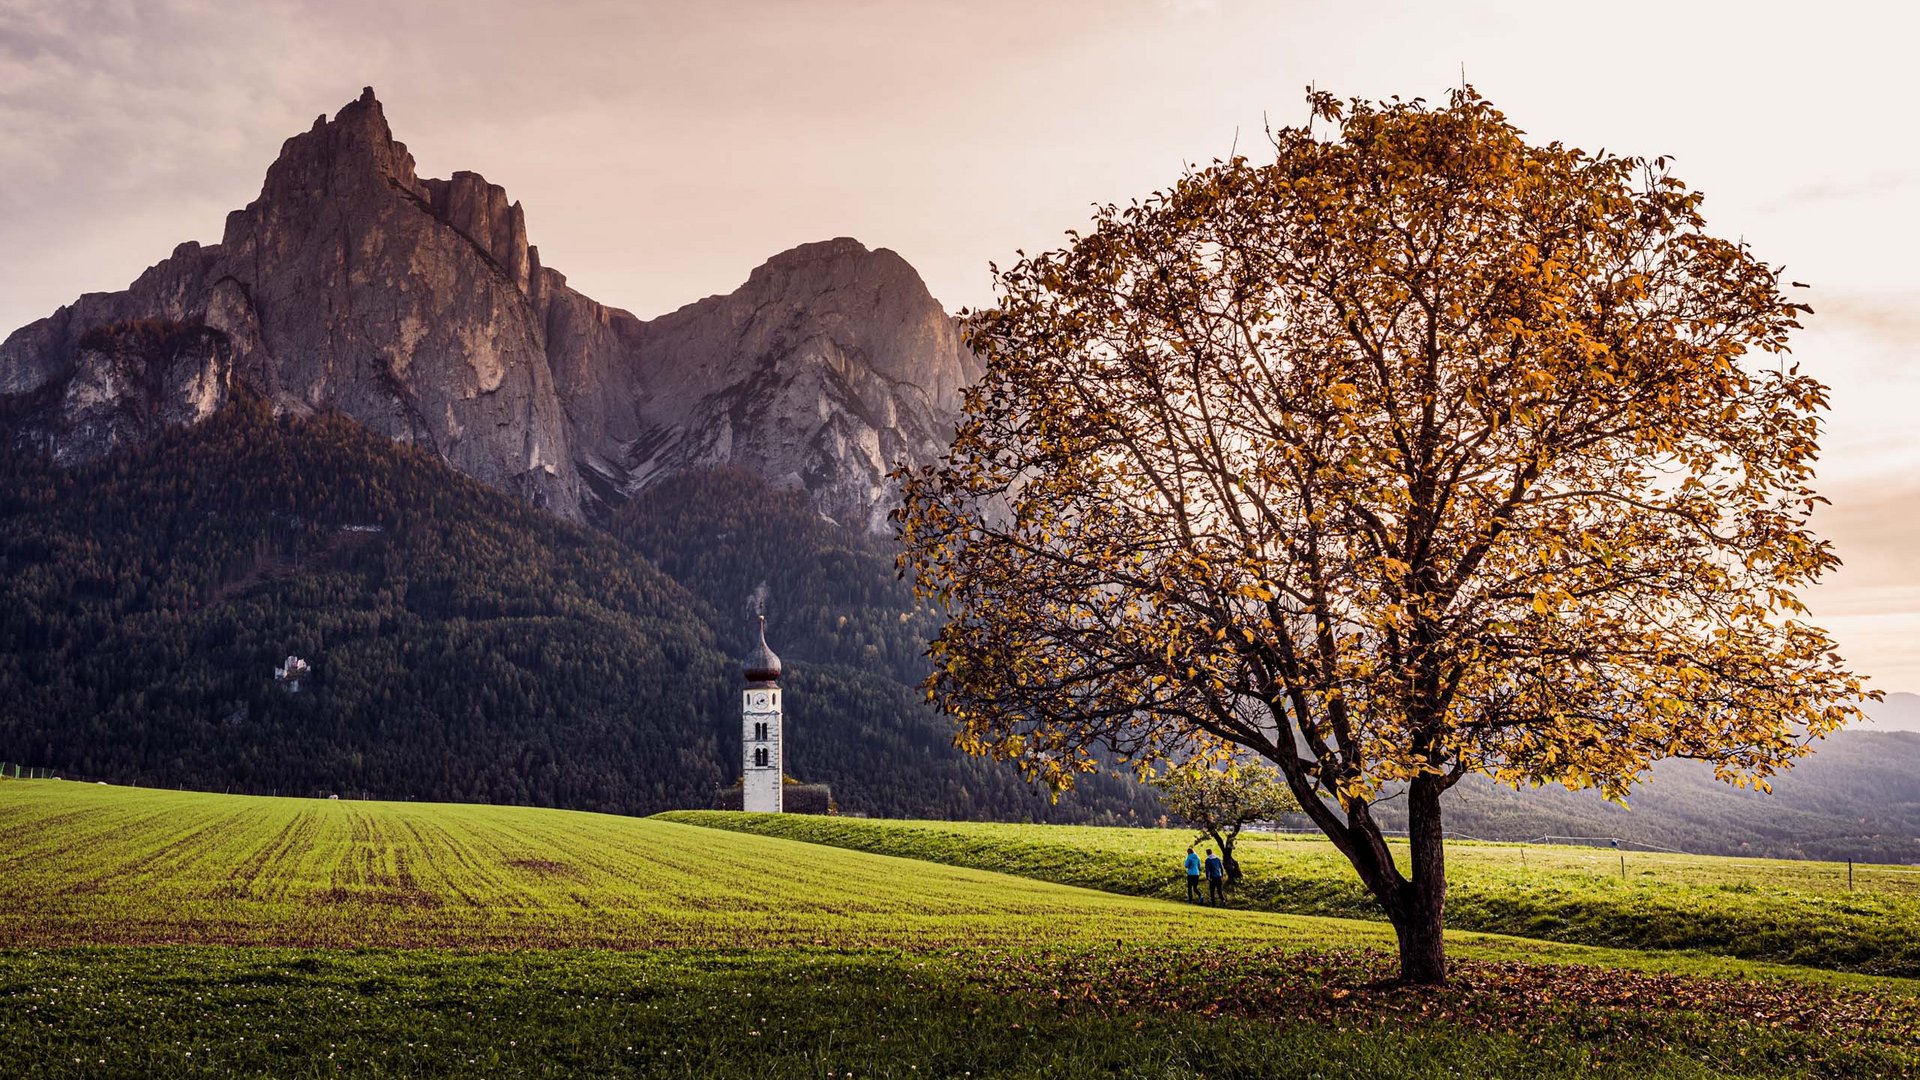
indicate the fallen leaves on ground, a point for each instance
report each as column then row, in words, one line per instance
column 1787, row 1021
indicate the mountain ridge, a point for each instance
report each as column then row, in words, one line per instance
column 420, row 308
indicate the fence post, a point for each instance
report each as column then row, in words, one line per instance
column 1849, row 875
column 1623, row 868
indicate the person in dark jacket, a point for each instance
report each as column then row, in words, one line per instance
column 1216, row 878
column 1193, row 876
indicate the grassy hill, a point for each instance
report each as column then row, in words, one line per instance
column 394, row 939
column 1786, row 911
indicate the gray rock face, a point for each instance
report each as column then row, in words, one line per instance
column 828, row 367
column 417, row 307
column 128, row 382
column 351, row 284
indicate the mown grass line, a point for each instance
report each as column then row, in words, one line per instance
column 498, row 877
column 163, row 867
column 1778, row 912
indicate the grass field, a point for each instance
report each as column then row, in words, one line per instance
column 1781, row 911
column 166, row 933
column 107, row 865
column 795, row 1013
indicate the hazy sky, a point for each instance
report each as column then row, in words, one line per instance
column 663, row 150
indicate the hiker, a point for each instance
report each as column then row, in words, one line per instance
column 1216, row 878
column 1193, row 876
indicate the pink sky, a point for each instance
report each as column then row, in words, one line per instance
column 663, row 150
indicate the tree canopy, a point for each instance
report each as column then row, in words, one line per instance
column 1222, row 801
column 1420, row 450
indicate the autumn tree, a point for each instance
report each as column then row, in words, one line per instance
column 1221, row 801
column 1420, row 450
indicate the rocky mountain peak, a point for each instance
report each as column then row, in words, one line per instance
column 875, row 302
column 354, row 155
column 418, row 307
column 826, row 261
column 827, row 368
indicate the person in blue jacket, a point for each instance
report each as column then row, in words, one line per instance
column 1216, row 878
column 1193, row 876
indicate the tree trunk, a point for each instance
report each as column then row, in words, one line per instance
column 1414, row 903
column 1419, row 915
column 1423, row 949
column 1224, row 841
column 1227, row 861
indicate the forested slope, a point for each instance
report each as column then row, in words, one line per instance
column 855, row 642
column 464, row 645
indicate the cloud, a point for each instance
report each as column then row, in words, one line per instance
column 1889, row 322
column 1857, row 190
column 1872, row 603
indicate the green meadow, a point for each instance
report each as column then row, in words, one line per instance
column 131, row 866
column 153, row 933
column 1789, row 912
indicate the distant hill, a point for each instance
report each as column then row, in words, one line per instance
column 1856, row 797
column 1899, row 712
column 464, row 644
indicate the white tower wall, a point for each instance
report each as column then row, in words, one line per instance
column 761, row 767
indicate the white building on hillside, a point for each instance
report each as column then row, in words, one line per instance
column 762, row 773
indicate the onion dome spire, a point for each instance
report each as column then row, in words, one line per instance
column 762, row 665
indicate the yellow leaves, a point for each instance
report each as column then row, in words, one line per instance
column 1233, row 467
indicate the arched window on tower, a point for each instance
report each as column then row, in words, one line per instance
column 760, row 732
column 760, row 757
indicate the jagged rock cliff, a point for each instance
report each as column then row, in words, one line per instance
column 417, row 307
column 830, row 364
column 128, row 382
column 350, row 284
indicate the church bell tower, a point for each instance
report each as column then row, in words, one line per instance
column 762, row 772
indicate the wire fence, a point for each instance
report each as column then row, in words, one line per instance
column 1612, row 857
